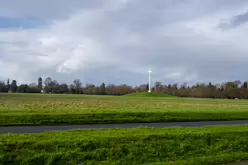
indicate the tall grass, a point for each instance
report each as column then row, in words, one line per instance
column 211, row 145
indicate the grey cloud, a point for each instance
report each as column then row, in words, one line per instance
column 173, row 9
column 45, row 9
column 240, row 19
column 176, row 38
column 235, row 21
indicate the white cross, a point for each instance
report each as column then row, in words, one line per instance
column 149, row 73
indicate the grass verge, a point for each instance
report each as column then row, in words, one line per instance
column 111, row 118
column 191, row 146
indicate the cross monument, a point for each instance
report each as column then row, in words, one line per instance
column 149, row 73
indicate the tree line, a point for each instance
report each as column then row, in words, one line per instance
column 229, row 90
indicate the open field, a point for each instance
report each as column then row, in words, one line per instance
column 37, row 109
column 209, row 145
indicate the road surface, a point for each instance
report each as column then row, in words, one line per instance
column 40, row 129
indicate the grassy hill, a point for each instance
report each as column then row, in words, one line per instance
column 146, row 94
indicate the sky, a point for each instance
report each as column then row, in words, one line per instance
column 116, row 41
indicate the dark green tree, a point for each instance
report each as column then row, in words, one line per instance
column 3, row 87
column 210, row 85
column 147, row 87
column 63, row 88
column 13, row 86
column 245, row 84
column 102, row 89
column 40, row 82
column 22, row 88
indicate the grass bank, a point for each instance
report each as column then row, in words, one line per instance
column 26, row 109
column 191, row 146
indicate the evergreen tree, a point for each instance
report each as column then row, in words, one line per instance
column 245, row 84
column 102, row 89
column 13, row 86
column 40, row 86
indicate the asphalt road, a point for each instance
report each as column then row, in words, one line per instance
column 40, row 129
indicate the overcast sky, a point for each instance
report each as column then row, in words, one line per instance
column 116, row 41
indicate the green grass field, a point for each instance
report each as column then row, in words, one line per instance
column 38, row 109
column 182, row 146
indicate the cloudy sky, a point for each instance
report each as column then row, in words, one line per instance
column 116, row 41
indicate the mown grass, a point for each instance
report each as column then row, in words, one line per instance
column 37, row 109
column 189, row 146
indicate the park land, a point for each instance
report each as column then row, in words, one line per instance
column 208, row 145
